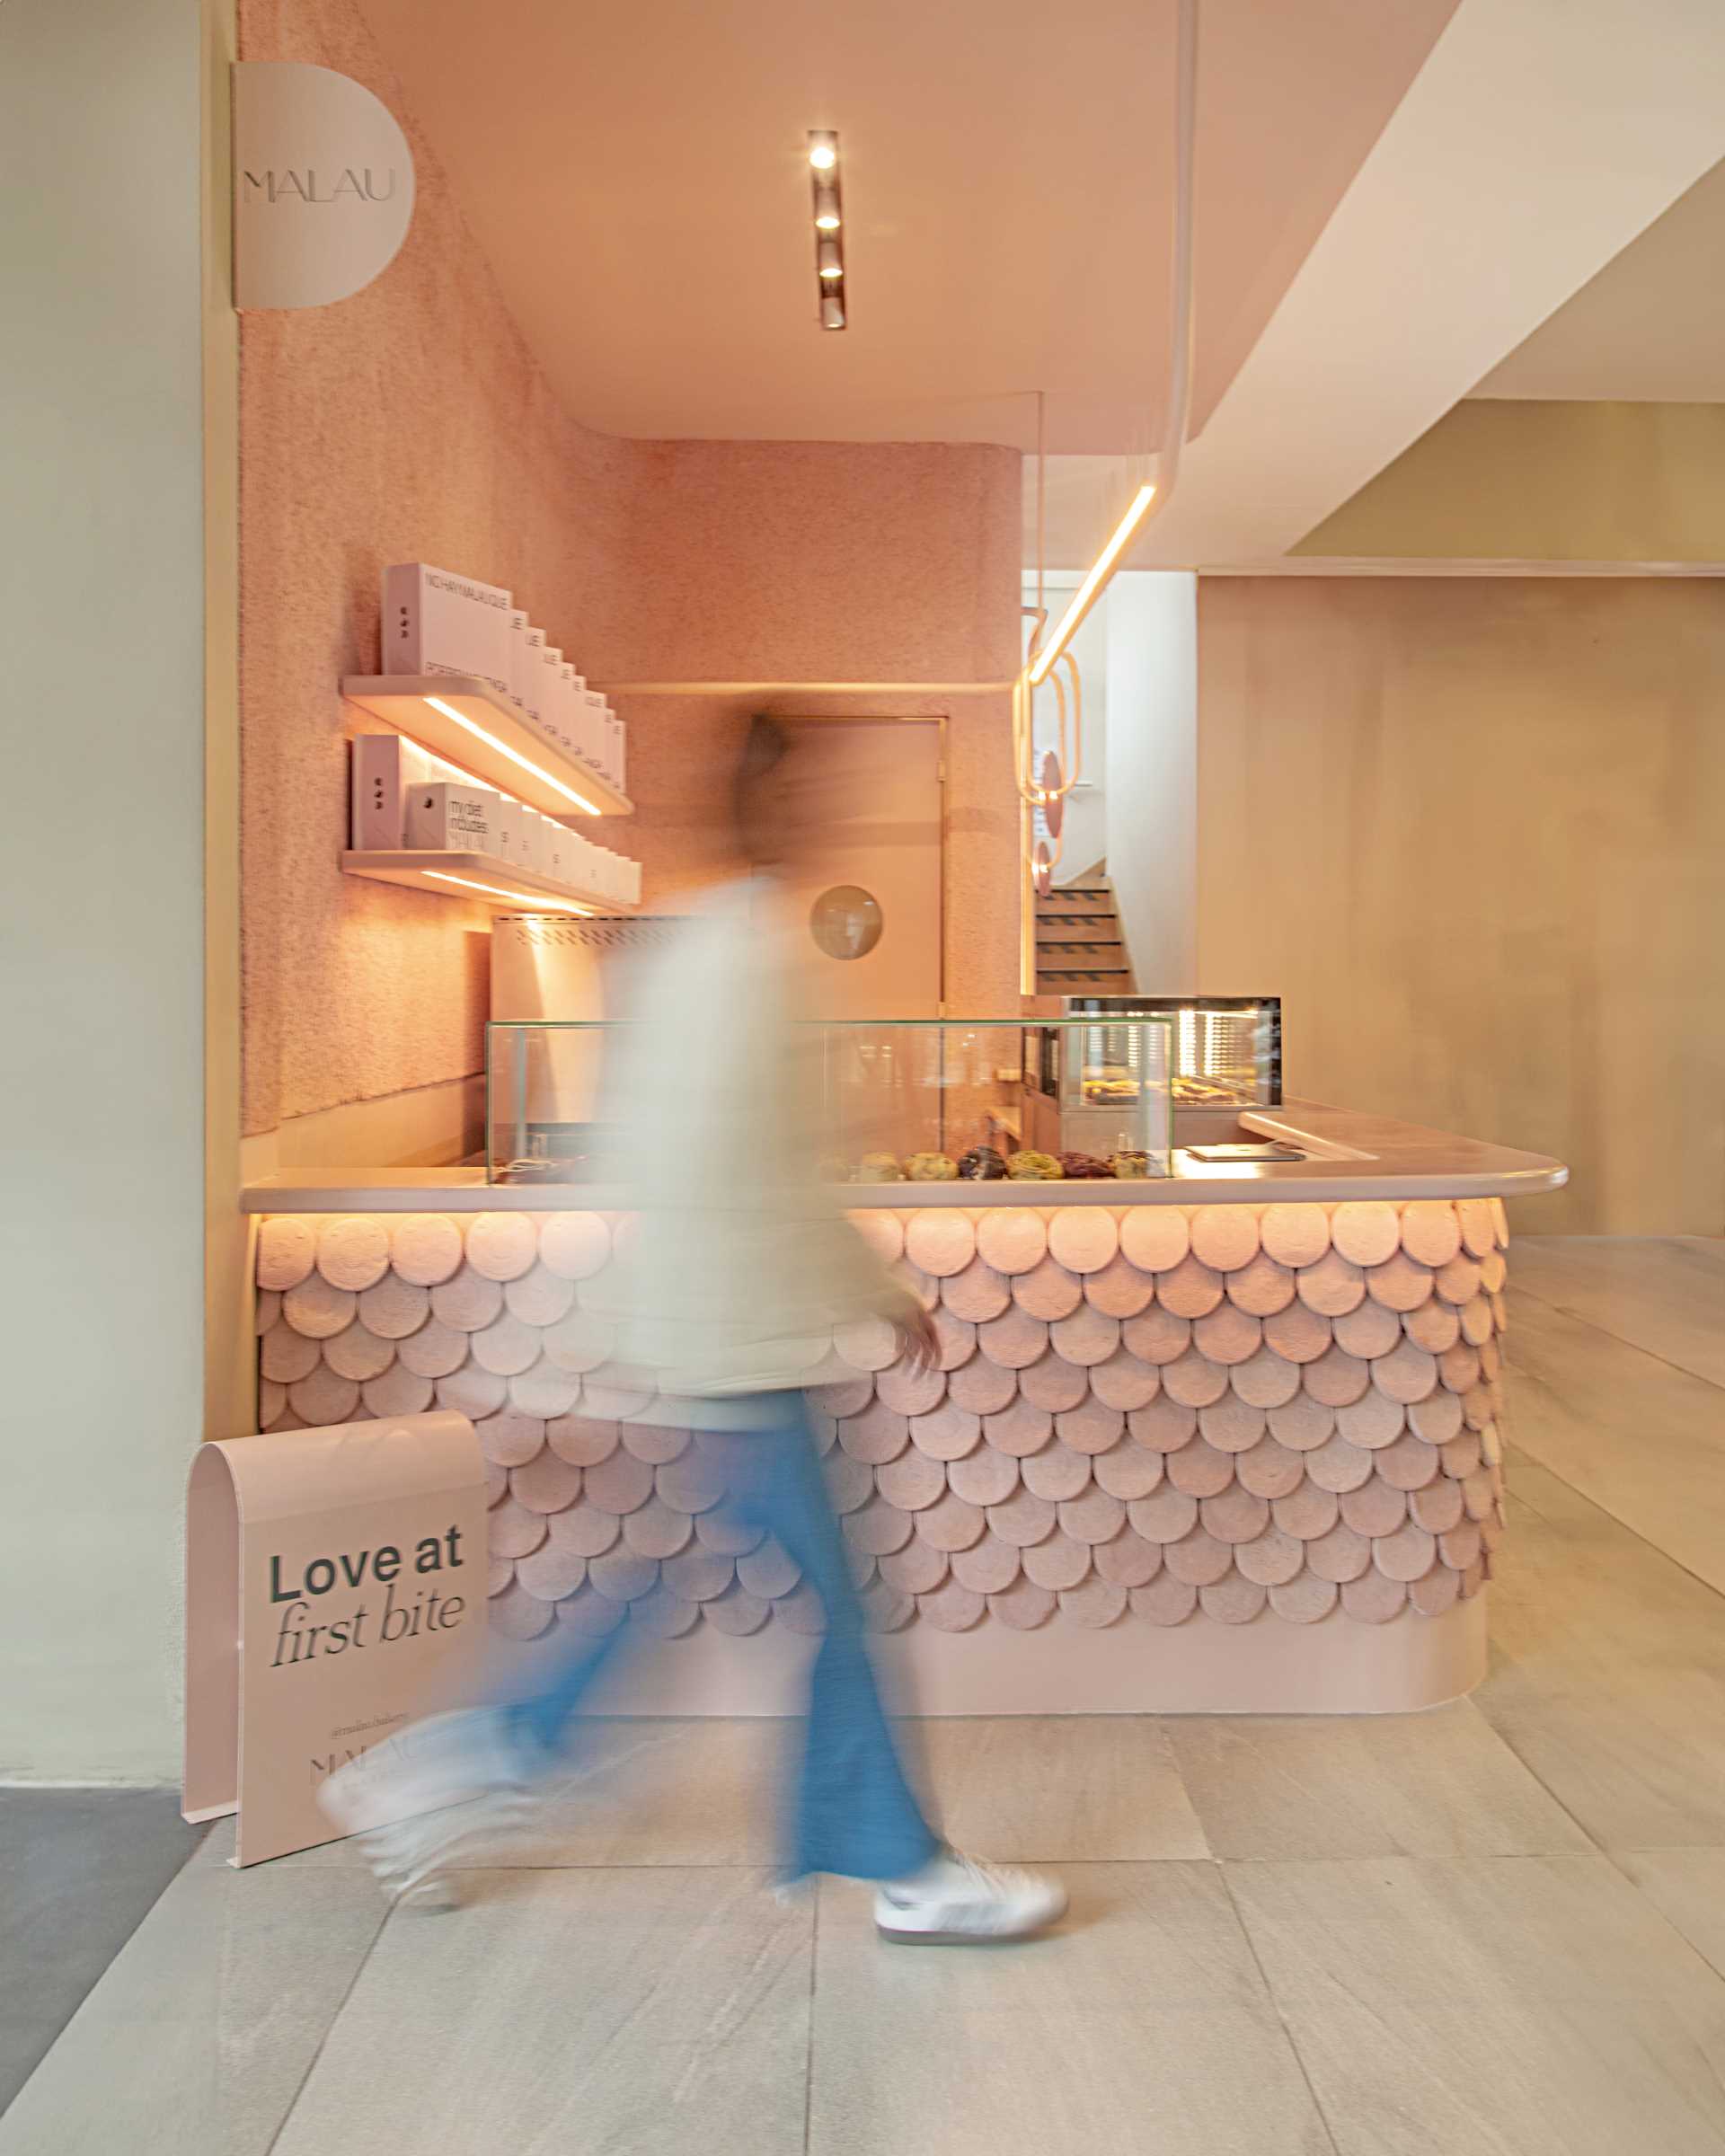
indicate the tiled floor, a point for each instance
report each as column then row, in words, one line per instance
column 1499, row 1927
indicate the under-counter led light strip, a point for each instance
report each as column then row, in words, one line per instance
column 535, row 900
column 513, row 755
column 830, row 219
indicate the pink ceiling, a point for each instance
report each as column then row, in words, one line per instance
column 634, row 172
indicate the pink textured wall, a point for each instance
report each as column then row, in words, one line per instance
column 409, row 423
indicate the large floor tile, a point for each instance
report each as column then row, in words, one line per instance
column 1142, row 2024
column 195, row 2039
column 656, row 2012
column 1436, row 1784
column 1607, row 1674
column 1687, row 1886
column 1664, row 1295
column 1504, row 2006
column 79, row 1869
column 1036, row 1789
column 1643, row 1440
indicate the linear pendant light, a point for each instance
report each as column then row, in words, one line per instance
column 1091, row 590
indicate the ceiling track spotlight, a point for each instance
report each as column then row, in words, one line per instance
column 829, row 226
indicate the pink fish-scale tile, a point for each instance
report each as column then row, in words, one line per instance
column 1460, row 1367
column 1193, row 1289
column 1154, row 1238
column 1499, row 1222
column 984, row 1476
column 583, row 1530
column 1430, row 1231
column 1436, row 1592
column 947, row 1432
column 1014, row 1340
column 1023, row 1606
column 1019, row 1429
column 1336, row 1378
column 539, row 1297
column 285, row 1355
column 1224, row 1237
column 876, row 1528
column 467, row 1300
column 1337, row 1465
column 1158, row 1335
column 1298, row 1335
column 667, row 1616
column 393, row 1308
column 1494, row 1272
column 1438, row 1507
column 1339, row 1555
column 1129, row 1561
column 1400, row 1283
column 505, row 1347
column 318, row 1310
column 1057, row 1471
column 578, row 1342
column 1436, row 1326
column 550, row 1572
column 1049, row 1291
column 1057, row 1561
column 1199, row 1470
column 696, row 1575
column 1307, row 1599
column 1490, row 1444
column 1165, row 1599
column 844, row 1395
column 1227, row 1335
column 1369, row 1331
column 1374, row 1507
column 918, row 1569
column 735, row 1612
column 1458, row 1281
column 1306, row 1513
column 1094, row 1604
column 1236, row 1515
column 1463, row 1456
column 1124, row 1381
column 1119, row 1289
column 1406, row 1554
column 1126, row 1471
column 619, row 1483
column 1474, row 1322
column 1407, row 1373
column 574, row 1246
column 424, row 1247
column 1477, row 1494
column 955, row 1337
column 509, row 1438
column 545, row 1391
column 1269, row 1469
column 1264, row 1380
column 1491, row 1363
column 272, row 1401
column 1164, row 1427
column 519, row 1615
column 883, row 1231
column 977, row 1293
column 515, row 1532
column 1374, row 1598
column 867, row 1343
column 1474, row 1579
column 987, row 1568
column 1088, row 1338
column 1162, row 1517
column 1198, row 1558
column 1235, row 1600
column 1022, row 1519
column 287, row 1250
column 1295, row 1234
column 981, row 1388
column 1194, row 1381
column 501, row 1246
column 913, row 1481
column 654, row 1530
column 1374, row 1421
column 1053, row 1384
column 1091, row 1427
column 322, row 1398
column 1409, row 1463
column 884, row 1610
column 850, row 1483
column 1367, row 1232
column 500, row 1570
column 1303, row 1424
column 1012, row 1238
column 1333, row 1287
column 545, row 1484
column 581, row 1440
column 616, row 1394
column 939, row 1240
column 951, row 1607
column 1437, row 1417
column 474, row 1392
column 1478, row 1230
column 1231, row 1426
column 910, row 1390
column 1095, row 1517
column 1083, row 1238
column 726, row 1535
column 1271, row 1559
column 877, row 1434
column 948, row 1524
column 768, row 1571
column 1262, row 1286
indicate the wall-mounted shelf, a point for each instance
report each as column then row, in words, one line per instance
column 481, row 878
column 472, row 726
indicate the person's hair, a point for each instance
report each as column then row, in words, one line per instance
column 765, row 746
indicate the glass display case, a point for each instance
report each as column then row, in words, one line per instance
column 1228, row 1049
column 916, row 1101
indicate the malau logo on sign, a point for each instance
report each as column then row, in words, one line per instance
column 323, row 185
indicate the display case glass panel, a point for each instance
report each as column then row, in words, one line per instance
column 921, row 1102
column 1227, row 1048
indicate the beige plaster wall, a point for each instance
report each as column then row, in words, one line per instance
column 1470, row 829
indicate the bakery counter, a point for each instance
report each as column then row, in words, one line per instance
column 1220, row 1444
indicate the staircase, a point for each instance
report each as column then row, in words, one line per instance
column 1079, row 947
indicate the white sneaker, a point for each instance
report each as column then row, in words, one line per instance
column 955, row 1901
column 416, row 1800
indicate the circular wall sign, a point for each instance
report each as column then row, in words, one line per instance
column 846, row 921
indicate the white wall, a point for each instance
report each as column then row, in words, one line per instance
column 1152, row 773
column 102, row 928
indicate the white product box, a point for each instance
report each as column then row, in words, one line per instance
column 447, row 819
column 572, row 688
column 591, row 740
column 551, row 694
column 438, row 622
column 559, row 850
column 517, row 657
column 509, row 840
column 384, row 768
column 615, row 732
column 533, row 671
column 536, row 833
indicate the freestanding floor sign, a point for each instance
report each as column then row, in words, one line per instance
column 335, row 1591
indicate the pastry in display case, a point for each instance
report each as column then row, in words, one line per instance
column 941, row 1105
column 1227, row 1051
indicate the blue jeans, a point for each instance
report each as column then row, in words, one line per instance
column 852, row 1811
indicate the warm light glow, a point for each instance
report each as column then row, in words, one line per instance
column 823, row 155
column 515, row 755
column 830, row 265
column 832, row 312
column 826, row 209
column 535, row 900
column 1091, row 590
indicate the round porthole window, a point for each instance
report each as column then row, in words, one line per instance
column 846, row 921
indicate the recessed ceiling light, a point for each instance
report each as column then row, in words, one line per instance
column 827, row 186
column 823, row 149
column 832, row 312
column 826, row 218
column 829, row 263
